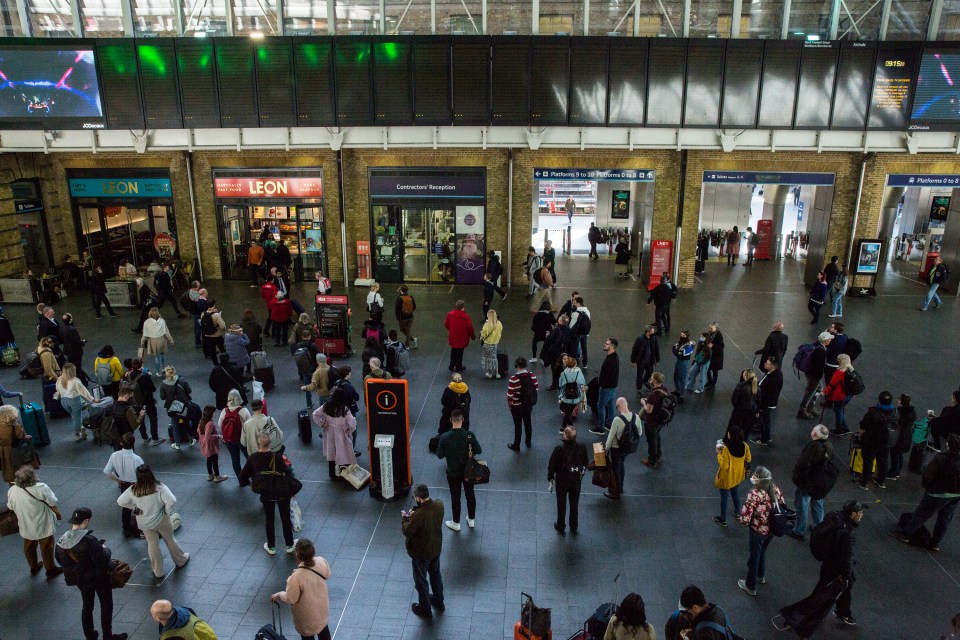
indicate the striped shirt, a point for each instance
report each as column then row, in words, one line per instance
column 513, row 387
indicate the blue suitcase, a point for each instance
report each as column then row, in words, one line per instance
column 53, row 407
column 34, row 423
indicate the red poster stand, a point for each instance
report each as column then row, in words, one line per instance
column 765, row 244
column 661, row 259
column 363, row 260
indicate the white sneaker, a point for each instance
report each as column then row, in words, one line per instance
column 271, row 550
column 192, row 442
column 533, row 361
column 471, row 522
column 293, row 546
column 175, row 446
column 453, row 526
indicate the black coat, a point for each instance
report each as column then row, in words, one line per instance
column 776, row 345
column 554, row 344
column 646, row 351
column 566, row 464
column 72, row 344
column 623, row 253
column 48, row 328
column 744, row 405
column 662, row 295
column 98, row 284
column 844, row 557
column 770, row 387
column 164, row 284
column 714, row 614
column 716, row 358
column 222, row 380
column 874, row 425
column 6, row 332
column 451, row 400
column 93, row 559
column 908, row 415
column 542, row 322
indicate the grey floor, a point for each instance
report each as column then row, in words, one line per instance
column 659, row 538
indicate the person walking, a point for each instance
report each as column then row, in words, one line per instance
column 35, row 506
column 630, row 621
column 212, row 328
column 231, row 420
column 565, row 470
column 580, row 325
column 625, row 419
column 456, row 397
column 280, row 313
column 98, row 293
column 835, row 394
column 908, row 416
column 593, row 237
column 550, row 256
column 490, row 335
column 607, row 382
column 715, row 338
column 522, row 389
column 775, row 344
column 198, row 304
column 757, row 513
column 153, row 504
column 813, row 375
column 571, row 389
column 72, row 393
column 86, row 562
column 841, row 563
column 375, row 303
column 254, row 424
column 306, row 593
column 255, row 263
column 769, row 388
column 837, row 290
column 683, row 352
column 818, row 295
column 494, row 268
column 262, row 461
column 10, row 429
column 404, row 309
column 936, row 276
column 533, row 264
column 456, row 446
column 661, row 297
column 652, row 416
column 941, row 486
column 644, row 356
column 621, row 264
column 489, row 288
column 225, row 378
column 319, row 381
column 459, row 328
column 122, row 468
column 813, row 479
column 733, row 462
column 338, row 425
column 210, row 444
column 544, row 285
column 541, row 325
column 72, row 344
column 733, row 246
column 745, row 401
column 163, row 281
column 175, row 395
column 156, row 338
column 423, row 538
column 702, row 353
column 108, row 371
column 570, row 206
column 880, row 420
column 753, row 239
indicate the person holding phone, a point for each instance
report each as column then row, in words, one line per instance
column 422, row 528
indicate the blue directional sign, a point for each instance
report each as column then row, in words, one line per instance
column 769, row 177
column 922, row 180
column 609, row 175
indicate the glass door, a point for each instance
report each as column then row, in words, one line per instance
column 312, row 245
column 93, row 237
column 415, row 244
column 387, row 249
column 236, row 239
column 443, row 240
column 141, row 235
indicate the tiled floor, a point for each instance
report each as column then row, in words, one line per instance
column 659, row 538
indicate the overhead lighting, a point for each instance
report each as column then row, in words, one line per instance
column 256, row 35
column 813, row 38
column 199, row 34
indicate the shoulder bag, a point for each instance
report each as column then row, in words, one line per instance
column 782, row 519
column 475, row 471
column 8, row 523
column 275, row 485
column 177, row 407
column 119, row 573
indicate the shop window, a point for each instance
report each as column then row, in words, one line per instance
column 305, row 17
column 154, row 17
column 551, row 24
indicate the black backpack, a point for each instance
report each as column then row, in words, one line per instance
column 583, row 325
column 853, row 348
column 538, row 277
column 667, row 407
column 853, row 383
column 528, row 393
column 571, row 390
column 207, row 325
column 630, row 438
column 821, row 478
column 304, row 360
column 823, row 537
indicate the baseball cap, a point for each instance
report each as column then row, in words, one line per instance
column 853, row 506
column 81, row 514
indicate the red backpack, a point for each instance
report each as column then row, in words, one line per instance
column 232, row 425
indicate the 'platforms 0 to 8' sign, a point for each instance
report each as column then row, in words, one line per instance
column 268, row 187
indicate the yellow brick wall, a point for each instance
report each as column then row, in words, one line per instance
column 11, row 251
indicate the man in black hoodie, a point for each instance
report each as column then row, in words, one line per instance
column 568, row 463
column 840, row 564
column 644, row 355
column 709, row 620
column 661, row 297
column 86, row 562
column 874, row 439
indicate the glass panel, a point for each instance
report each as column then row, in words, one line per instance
column 386, row 246
column 761, row 20
column 459, row 16
column 661, row 19
column 102, row 18
column 561, row 16
column 92, row 237
column 205, row 16
column 154, row 16
column 313, row 254
column 908, row 19
column 403, row 16
column 305, row 17
column 119, row 241
column 9, row 19
column 415, row 244
column 442, row 244
column 710, row 18
column 255, row 15
column 358, row 16
column 810, row 18
column 949, row 28
column 234, row 248
column 606, row 17
column 50, row 18
column 144, row 253
column 860, row 20
column 507, row 15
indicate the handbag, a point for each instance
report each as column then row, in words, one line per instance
column 8, row 523
column 119, row 573
column 24, row 453
column 602, row 477
column 782, row 519
column 475, row 471
column 176, row 408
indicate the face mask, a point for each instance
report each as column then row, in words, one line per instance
column 753, row 480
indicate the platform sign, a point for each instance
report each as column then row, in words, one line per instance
column 769, row 177
column 603, row 175
column 765, row 240
column 661, row 260
column 388, row 415
column 333, row 323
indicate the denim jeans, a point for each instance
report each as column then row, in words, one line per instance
column 929, row 505
column 838, row 412
column 680, row 371
column 234, row 449
column 932, row 295
column 306, row 380
column 74, row 407
column 801, row 504
column 836, row 303
column 583, row 350
column 725, row 496
column 757, row 562
column 421, row 570
column 159, row 360
column 697, row 377
column 606, row 407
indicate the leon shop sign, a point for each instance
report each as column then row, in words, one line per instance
column 268, row 187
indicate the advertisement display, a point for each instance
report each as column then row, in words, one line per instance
column 868, row 257
column 661, row 259
column 620, row 209
column 333, row 323
column 470, row 244
column 314, row 240
column 44, row 86
column 388, row 415
column 764, row 240
column 939, row 208
column 165, row 244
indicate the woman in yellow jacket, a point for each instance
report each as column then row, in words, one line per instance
column 490, row 336
column 108, row 371
column 733, row 460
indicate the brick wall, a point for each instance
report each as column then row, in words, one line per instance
column 11, row 251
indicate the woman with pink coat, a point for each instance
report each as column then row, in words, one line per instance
column 338, row 425
column 210, row 444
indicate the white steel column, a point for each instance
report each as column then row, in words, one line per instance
column 433, row 17
column 636, row 19
column 834, row 19
column 735, row 18
column 586, row 18
column 934, row 26
column 885, row 18
column 331, row 17
column 178, row 17
column 483, row 22
column 126, row 15
column 24, row 16
column 383, row 17
column 77, row 23
column 686, row 19
column 785, row 24
column 535, row 13
column 228, row 8
column 280, row 10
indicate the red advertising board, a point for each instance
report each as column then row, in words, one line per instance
column 333, row 321
column 661, row 259
column 765, row 241
column 268, row 187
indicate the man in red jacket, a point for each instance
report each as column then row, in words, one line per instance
column 268, row 291
column 280, row 312
column 459, row 334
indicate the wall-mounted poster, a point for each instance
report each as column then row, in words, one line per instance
column 621, row 205
column 868, row 257
column 470, row 244
column 939, row 208
column 314, row 240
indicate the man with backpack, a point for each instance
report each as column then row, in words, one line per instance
column 622, row 440
column 814, row 475
column 533, row 265
column 404, row 308
column 126, row 418
column 580, row 325
column 811, row 359
column 522, row 389
column 938, row 274
column 661, row 297
column 568, row 463
column 143, row 398
column 657, row 412
column 879, row 429
column 836, row 346
column 709, row 622
column 833, row 543
column 212, row 328
column 544, row 285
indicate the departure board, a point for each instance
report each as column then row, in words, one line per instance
column 936, row 101
column 818, row 71
column 628, row 81
column 312, row 64
column 157, row 61
column 778, row 87
column 198, row 83
column 391, row 82
column 892, row 85
column 854, row 77
column 471, row 80
column 431, row 82
column 510, row 88
column 352, row 71
column 588, row 81
column 275, row 90
column 741, row 83
column 237, row 82
column 120, row 83
column 704, row 82
column 668, row 58
column 550, row 81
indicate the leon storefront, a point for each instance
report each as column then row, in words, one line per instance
column 284, row 205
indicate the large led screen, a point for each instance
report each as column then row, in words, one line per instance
column 937, row 96
column 50, row 87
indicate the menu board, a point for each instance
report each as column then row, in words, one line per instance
column 852, row 96
column 778, row 87
column 892, row 86
column 937, row 98
column 818, row 71
column 668, row 61
column 511, row 81
column 628, row 81
column 741, row 83
column 431, row 83
column 704, row 83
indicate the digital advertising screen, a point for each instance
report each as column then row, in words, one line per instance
column 511, row 81
column 628, row 81
column 391, row 79
column 892, row 86
column 550, row 81
column 868, row 257
column 588, row 81
column 668, row 62
column 50, row 87
column 704, row 83
column 312, row 71
column 353, row 94
column 940, row 208
column 936, row 101
column 431, row 83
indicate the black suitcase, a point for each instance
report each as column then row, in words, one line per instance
column 503, row 364
column 917, row 453
column 53, row 407
column 265, row 375
column 304, row 426
column 272, row 631
column 593, row 394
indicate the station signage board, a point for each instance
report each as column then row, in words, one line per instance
column 922, row 180
column 600, row 175
column 769, row 177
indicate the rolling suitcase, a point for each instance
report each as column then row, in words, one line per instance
column 53, row 407
column 272, row 631
column 917, row 454
column 34, row 423
column 503, row 364
column 856, row 456
column 534, row 623
column 265, row 376
column 304, row 426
